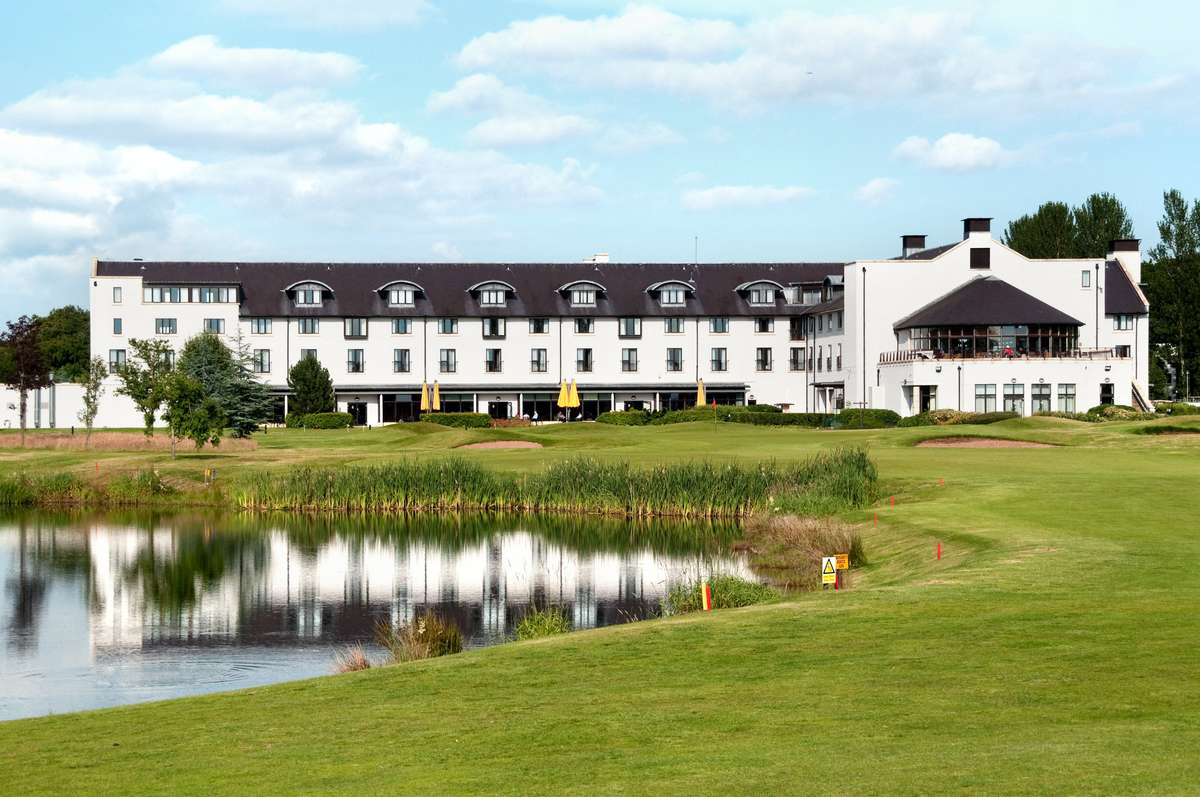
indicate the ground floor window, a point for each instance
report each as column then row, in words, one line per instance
column 1014, row 399
column 1041, row 398
column 458, row 402
column 541, row 406
column 592, row 404
column 277, row 408
column 678, row 401
column 401, row 407
column 1066, row 398
column 985, row 398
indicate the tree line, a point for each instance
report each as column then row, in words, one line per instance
column 1170, row 271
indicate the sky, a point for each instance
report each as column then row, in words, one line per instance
column 544, row 130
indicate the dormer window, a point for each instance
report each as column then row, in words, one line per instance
column 308, row 294
column 492, row 294
column 401, row 297
column 762, row 294
column 583, row 297
column 671, row 296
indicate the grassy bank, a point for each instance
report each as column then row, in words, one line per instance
column 1051, row 650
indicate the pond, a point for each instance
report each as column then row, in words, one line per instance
column 107, row 609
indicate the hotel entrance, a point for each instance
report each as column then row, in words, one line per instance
column 927, row 401
column 498, row 410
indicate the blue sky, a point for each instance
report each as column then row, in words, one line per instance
column 432, row 130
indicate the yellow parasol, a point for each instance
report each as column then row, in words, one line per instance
column 700, row 393
column 424, row 397
column 437, row 398
column 573, row 395
column 563, row 395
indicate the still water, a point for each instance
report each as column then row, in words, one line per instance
column 107, row 609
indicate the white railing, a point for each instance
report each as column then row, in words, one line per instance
column 904, row 356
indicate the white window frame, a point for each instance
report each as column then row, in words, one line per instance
column 583, row 297
column 672, row 297
column 302, row 322
column 402, row 297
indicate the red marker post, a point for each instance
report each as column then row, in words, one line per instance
column 706, row 596
column 939, row 553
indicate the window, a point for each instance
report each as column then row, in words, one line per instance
column 262, row 361
column 1014, row 399
column 116, row 294
column 674, row 359
column 491, row 361
column 673, row 326
column 1121, row 351
column 762, row 359
column 164, row 326
column 493, row 296
column 1085, row 279
column 539, row 326
column 1122, row 322
column 537, row 361
column 583, row 297
column 796, row 359
column 839, row 357
column 401, row 361
column 670, row 296
column 447, row 361
column 985, row 398
column 839, row 319
column 260, row 326
column 448, row 326
column 306, row 326
column 401, row 297
column 308, row 296
column 583, row 360
column 116, row 359
column 584, row 326
column 796, row 328
column 764, row 325
column 308, row 354
column 629, row 328
column 811, row 296
column 117, row 326
column 355, row 327
column 401, row 326
column 718, row 325
column 981, row 257
column 354, row 361
column 628, row 360
column 820, row 359
column 215, row 325
column 821, row 323
column 762, row 294
column 170, row 357
column 719, row 360
column 1066, row 397
column 182, row 295
column 1040, row 398
column 493, row 327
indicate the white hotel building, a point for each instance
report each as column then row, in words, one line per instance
column 972, row 325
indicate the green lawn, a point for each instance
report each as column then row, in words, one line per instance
column 1052, row 650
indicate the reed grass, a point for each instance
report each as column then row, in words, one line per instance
column 111, row 441
column 352, row 658
column 539, row 623
column 787, row 550
column 828, row 482
column 728, row 592
column 67, row 489
column 426, row 637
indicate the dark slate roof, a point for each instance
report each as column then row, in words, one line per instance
column 837, row 303
column 985, row 301
column 356, row 286
column 1120, row 297
column 929, row 254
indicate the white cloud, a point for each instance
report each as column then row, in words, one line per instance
column 203, row 58
column 362, row 15
column 444, row 250
column 482, row 93
column 955, row 152
column 626, row 138
column 526, row 130
column 796, row 55
column 876, row 190
column 726, row 196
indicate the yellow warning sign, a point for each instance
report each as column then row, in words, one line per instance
column 843, row 561
column 828, row 570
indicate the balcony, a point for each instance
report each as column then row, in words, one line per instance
column 907, row 356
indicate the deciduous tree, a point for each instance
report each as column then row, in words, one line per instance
column 144, row 377
column 64, row 336
column 93, row 389
column 189, row 413
column 23, row 368
column 1047, row 233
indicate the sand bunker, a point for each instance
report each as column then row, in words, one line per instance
column 978, row 442
column 504, row 444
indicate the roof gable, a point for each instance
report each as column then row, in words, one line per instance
column 1121, row 297
column 985, row 301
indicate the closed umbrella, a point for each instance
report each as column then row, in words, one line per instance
column 563, row 394
column 700, row 402
column 573, row 395
column 424, row 397
column 437, row 398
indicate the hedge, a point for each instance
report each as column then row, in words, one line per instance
column 328, row 420
column 294, row 420
column 955, row 418
column 1176, row 408
column 625, row 418
column 867, row 419
column 1117, row 412
column 463, row 420
column 686, row 416
column 812, row 420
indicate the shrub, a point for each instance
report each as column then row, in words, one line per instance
column 921, row 419
column 983, row 418
column 625, row 418
column 328, row 420
column 1117, row 412
column 812, row 420
column 294, row 420
column 1172, row 428
column 426, row 637
column 768, row 408
column 1070, row 416
column 510, row 423
column 867, row 419
column 461, row 420
column 1176, row 408
column 686, row 416
column 543, row 622
column 727, row 592
column 137, row 487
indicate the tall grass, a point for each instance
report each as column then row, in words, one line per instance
column 67, row 489
column 538, row 623
column 787, row 550
column 427, row 636
column 727, row 592
column 829, row 482
column 111, row 441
